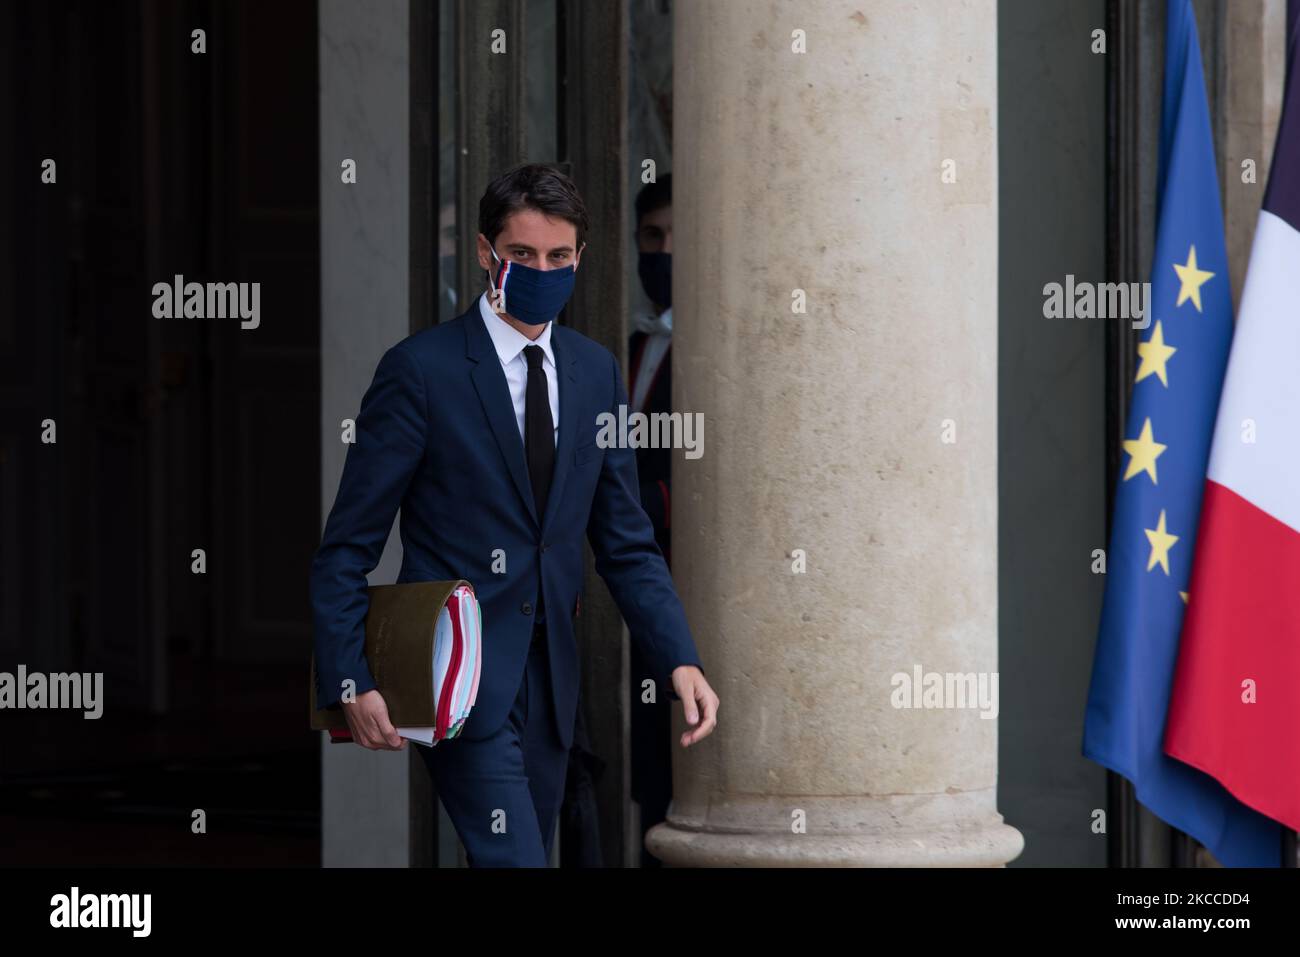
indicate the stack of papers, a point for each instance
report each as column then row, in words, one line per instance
column 457, row 664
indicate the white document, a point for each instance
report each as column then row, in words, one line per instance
column 442, row 647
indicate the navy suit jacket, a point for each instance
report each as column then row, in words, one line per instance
column 437, row 437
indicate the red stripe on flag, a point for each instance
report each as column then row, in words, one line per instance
column 1242, row 622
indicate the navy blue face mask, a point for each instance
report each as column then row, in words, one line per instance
column 534, row 296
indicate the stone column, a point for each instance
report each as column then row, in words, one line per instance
column 860, row 434
column 1252, row 48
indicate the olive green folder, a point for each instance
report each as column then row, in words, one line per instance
column 400, row 629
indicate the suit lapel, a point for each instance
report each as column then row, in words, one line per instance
column 566, row 367
column 494, row 394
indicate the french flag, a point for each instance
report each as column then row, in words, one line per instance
column 1234, row 709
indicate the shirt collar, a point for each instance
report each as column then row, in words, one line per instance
column 508, row 340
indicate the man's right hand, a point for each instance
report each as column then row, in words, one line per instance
column 368, row 719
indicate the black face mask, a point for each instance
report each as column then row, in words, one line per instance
column 656, row 272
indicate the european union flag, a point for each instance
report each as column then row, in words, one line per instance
column 1158, row 496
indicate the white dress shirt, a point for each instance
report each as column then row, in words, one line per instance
column 510, row 343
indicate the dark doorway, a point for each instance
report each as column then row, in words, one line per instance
column 173, row 434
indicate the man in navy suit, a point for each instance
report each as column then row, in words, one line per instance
column 483, row 431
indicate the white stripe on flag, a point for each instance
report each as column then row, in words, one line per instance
column 1262, row 384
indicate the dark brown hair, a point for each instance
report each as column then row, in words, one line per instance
column 654, row 196
column 536, row 186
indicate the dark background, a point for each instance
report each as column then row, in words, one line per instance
column 172, row 434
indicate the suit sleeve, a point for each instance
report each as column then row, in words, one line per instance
column 654, row 500
column 389, row 446
column 630, row 562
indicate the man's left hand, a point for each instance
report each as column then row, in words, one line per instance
column 699, row 703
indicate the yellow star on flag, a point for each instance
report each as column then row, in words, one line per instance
column 1192, row 279
column 1144, row 450
column 1183, row 596
column 1161, row 541
column 1154, row 355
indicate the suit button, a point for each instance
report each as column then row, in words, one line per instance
column 526, row 608
column 545, row 546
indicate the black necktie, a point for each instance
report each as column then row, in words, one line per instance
column 539, row 429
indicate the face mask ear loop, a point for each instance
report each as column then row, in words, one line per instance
column 495, row 297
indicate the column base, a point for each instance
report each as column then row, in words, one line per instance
column 916, row 830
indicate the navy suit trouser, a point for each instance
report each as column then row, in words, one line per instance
column 503, row 792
